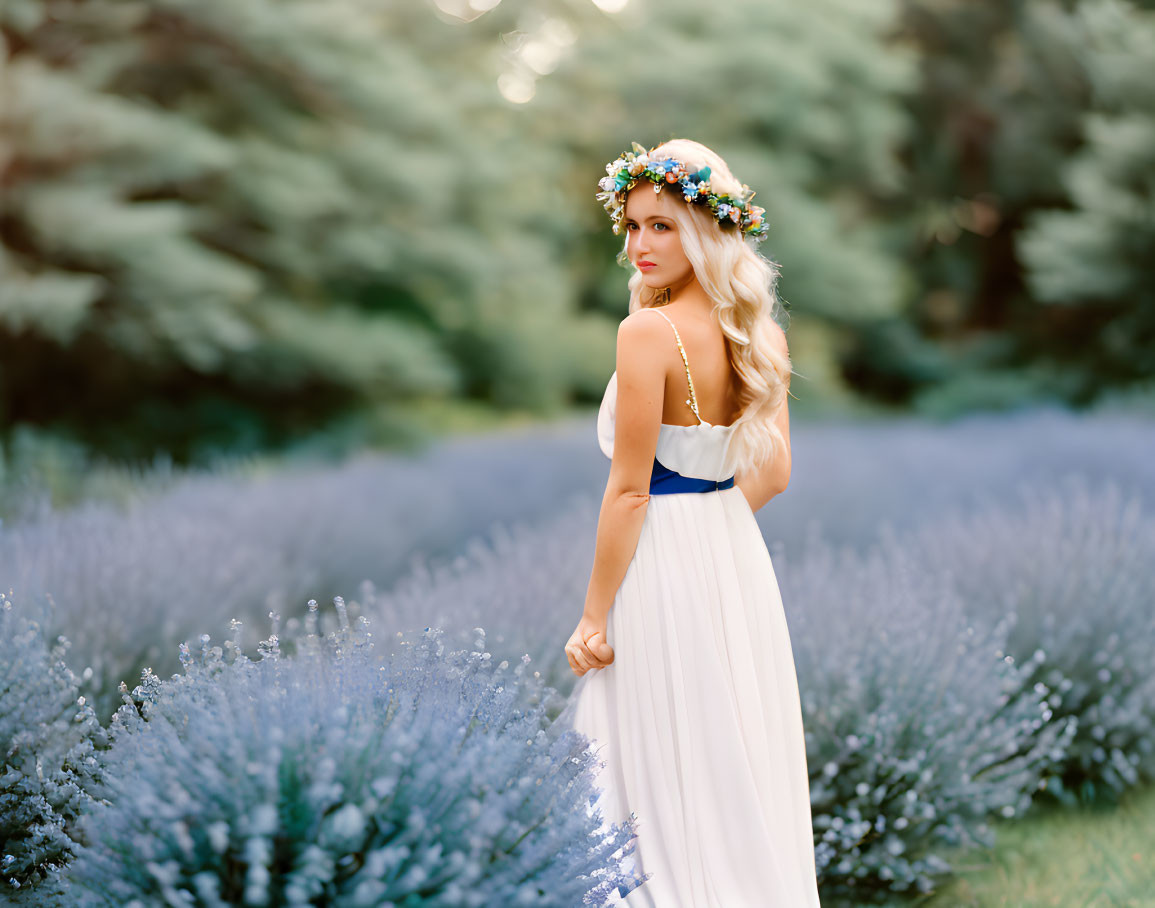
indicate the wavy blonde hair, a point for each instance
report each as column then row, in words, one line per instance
column 743, row 285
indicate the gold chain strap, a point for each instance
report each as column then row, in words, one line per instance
column 692, row 402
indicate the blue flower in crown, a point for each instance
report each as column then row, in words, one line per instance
column 695, row 186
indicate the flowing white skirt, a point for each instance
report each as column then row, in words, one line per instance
column 698, row 722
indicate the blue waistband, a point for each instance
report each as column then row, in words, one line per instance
column 664, row 481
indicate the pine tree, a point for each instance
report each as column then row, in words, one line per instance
column 218, row 213
column 1091, row 268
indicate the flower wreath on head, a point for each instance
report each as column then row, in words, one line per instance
column 624, row 173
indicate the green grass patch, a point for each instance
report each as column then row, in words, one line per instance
column 1087, row 857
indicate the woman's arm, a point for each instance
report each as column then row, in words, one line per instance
column 642, row 364
column 772, row 478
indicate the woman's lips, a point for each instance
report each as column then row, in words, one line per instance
column 646, row 266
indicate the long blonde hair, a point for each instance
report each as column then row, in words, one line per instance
column 743, row 285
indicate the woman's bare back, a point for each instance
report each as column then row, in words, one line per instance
column 707, row 356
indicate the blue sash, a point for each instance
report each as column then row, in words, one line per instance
column 664, row 481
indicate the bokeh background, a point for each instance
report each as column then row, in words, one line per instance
column 304, row 299
column 242, row 226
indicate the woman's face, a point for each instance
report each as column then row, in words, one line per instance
column 652, row 236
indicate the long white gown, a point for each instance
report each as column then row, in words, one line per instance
column 697, row 723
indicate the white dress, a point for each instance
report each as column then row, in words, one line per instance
column 697, row 723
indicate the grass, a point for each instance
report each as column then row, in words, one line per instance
column 1088, row 857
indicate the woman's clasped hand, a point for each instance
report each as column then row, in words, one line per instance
column 587, row 647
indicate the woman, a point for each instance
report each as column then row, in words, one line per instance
column 687, row 684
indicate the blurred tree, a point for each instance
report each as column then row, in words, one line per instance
column 1006, row 90
column 1091, row 268
column 232, row 223
column 230, row 219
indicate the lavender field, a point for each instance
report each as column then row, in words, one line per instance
column 970, row 607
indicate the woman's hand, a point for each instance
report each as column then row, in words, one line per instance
column 587, row 647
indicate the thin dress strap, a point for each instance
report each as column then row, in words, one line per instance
column 693, row 401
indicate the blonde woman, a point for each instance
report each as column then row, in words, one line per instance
column 687, row 686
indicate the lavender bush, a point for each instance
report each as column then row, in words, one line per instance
column 128, row 586
column 430, row 778
column 1074, row 567
column 851, row 479
column 524, row 580
column 47, row 736
column 915, row 731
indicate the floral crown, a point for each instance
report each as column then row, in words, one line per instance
column 624, row 173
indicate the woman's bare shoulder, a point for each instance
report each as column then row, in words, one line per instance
column 642, row 328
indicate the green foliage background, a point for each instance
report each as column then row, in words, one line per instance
column 235, row 224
